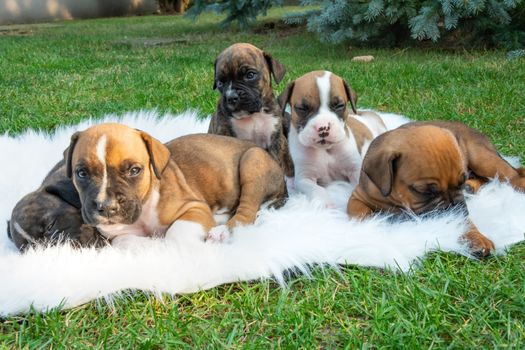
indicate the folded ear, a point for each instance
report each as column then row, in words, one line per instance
column 379, row 165
column 351, row 95
column 159, row 154
column 68, row 154
column 65, row 190
column 284, row 97
column 276, row 68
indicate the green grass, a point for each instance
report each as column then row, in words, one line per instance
column 62, row 74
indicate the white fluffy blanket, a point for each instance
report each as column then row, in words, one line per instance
column 296, row 236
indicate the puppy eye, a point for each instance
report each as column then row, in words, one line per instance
column 82, row 173
column 134, row 171
column 250, row 75
column 50, row 226
column 219, row 84
column 430, row 191
column 301, row 109
column 338, row 107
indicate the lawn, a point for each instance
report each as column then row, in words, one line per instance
column 63, row 72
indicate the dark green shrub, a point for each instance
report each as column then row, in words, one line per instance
column 493, row 23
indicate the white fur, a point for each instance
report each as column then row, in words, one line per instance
column 325, row 117
column 316, row 166
column 181, row 230
column 372, row 124
column 296, row 236
column 219, row 233
column 101, row 155
column 256, row 127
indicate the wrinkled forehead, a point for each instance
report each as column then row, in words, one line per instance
column 239, row 56
column 314, row 86
column 110, row 145
column 435, row 152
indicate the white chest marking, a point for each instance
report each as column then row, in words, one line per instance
column 341, row 162
column 147, row 224
column 101, row 155
column 257, row 127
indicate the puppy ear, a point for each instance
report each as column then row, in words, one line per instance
column 276, row 68
column 284, row 97
column 159, row 154
column 215, row 74
column 68, row 154
column 379, row 165
column 351, row 95
column 65, row 190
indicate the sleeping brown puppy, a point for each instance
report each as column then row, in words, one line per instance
column 424, row 166
column 51, row 214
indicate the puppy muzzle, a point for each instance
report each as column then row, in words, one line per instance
column 241, row 98
column 111, row 212
column 322, row 132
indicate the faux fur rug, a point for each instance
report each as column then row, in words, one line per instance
column 300, row 234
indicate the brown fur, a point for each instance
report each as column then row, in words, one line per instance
column 419, row 167
column 51, row 214
column 304, row 90
column 231, row 63
column 195, row 175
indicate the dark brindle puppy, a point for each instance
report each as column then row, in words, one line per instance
column 51, row 214
column 423, row 167
column 248, row 109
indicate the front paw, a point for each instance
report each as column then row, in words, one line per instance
column 218, row 234
column 472, row 186
column 479, row 245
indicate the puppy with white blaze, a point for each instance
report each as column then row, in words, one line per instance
column 327, row 141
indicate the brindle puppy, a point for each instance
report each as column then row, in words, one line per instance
column 247, row 108
column 51, row 214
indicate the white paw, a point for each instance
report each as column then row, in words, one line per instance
column 218, row 234
column 183, row 231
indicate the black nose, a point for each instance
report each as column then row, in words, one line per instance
column 106, row 208
column 233, row 99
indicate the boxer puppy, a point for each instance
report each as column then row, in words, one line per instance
column 131, row 183
column 247, row 108
column 327, row 141
column 423, row 167
column 50, row 215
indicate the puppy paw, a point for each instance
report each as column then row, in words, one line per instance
column 472, row 186
column 218, row 234
column 479, row 245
